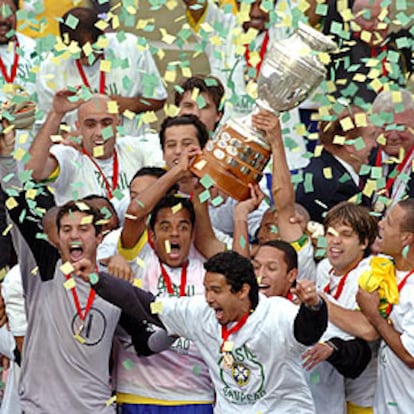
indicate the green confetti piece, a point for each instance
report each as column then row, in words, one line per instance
column 196, row 369
column 308, row 184
column 242, row 242
column 405, row 251
column 392, row 404
column 118, row 194
column 41, row 236
column 204, row 196
column 346, row 177
column 105, row 212
column 72, row 21
column 93, row 278
column 107, row 132
column 200, row 101
column 206, row 181
column 322, row 9
column 321, row 242
column 140, row 203
column 376, row 172
column 314, row 378
column 217, row 201
column 274, row 229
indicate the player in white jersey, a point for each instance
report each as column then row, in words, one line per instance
column 233, row 332
column 396, row 354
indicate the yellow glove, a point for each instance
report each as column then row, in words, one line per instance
column 381, row 277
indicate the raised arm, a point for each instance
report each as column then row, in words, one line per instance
column 282, row 188
column 41, row 162
column 141, row 206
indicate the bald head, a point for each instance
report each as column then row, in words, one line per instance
column 97, row 126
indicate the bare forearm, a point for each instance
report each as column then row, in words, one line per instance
column 39, row 150
column 353, row 322
column 241, row 234
column 205, row 238
column 392, row 339
column 137, row 104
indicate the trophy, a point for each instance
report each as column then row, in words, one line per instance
column 238, row 153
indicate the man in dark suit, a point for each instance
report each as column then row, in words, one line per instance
column 333, row 174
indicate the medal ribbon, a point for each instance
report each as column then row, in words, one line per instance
column 115, row 172
column 400, row 286
column 89, row 302
column 261, row 53
column 341, row 284
column 13, row 73
column 168, row 283
column 225, row 333
column 85, row 79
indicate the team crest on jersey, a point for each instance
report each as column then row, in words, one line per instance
column 240, row 373
column 244, row 383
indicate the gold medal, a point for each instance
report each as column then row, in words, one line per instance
column 78, row 336
column 227, row 361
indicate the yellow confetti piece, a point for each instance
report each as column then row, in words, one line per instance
column 7, row 229
column 23, row 138
column 31, row 194
column 130, row 216
column 156, row 307
column 200, row 165
column 318, row 150
column 19, row 154
column 115, row 22
column 347, row 124
column 327, row 172
column 137, row 283
column 167, row 246
column 369, row 188
column 149, row 117
column 167, row 38
column 332, row 232
column 79, row 338
column 56, row 138
column 102, row 42
column 324, row 58
column 87, row 49
column 186, row 72
column 381, row 139
column 105, row 66
column 98, row 151
column 140, row 262
column 170, row 76
column 11, row 203
column 87, row 220
column 128, row 114
column 396, row 97
column 366, row 36
column 82, row 206
column 113, row 107
column 194, row 94
column 361, row 120
column 70, row 284
column 228, row 346
column 34, row 270
column 67, row 268
column 176, row 208
column 171, row 4
column 376, row 85
column 301, row 129
column 339, row 140
column 347, row 15
column 359, row 77
column 111, row 401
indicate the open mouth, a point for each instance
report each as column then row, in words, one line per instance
column 75, row 251
column 219, row 314
column 174, row 251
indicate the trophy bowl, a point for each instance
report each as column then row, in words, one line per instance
column 238, row 153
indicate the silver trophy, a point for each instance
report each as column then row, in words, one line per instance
column 291, row 71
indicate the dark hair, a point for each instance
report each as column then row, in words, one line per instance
column 189, row 119
column 170, row 201
column 72, row 206
column 93, row 197
column 408, row 223
column 208, row 84
column 86, row 27
column 358, row 218
column 237, row 270
column 156, row 172
column 289, row 253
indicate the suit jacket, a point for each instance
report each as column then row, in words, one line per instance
column 316, row 191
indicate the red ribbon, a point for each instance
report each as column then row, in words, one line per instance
column 341, row 284
column 400, row 286
column 115, row 172
column 13, row 73
column 85, row 79
column 261, row 53
column 89, row 302
column 225, row 333
column 168, row 282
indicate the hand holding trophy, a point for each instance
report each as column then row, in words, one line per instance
column 238, row 153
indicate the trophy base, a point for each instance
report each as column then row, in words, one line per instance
column 223, row 179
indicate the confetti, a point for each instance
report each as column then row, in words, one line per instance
column 70, row 284
column 67, row 268
column 156, row 307
column 137, row 283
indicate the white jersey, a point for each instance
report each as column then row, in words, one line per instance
column 395, row 379
column 27, row 60
column 329, row 388
column 132, row 73
column 262, row 379
column 225, row 52
column 179, row 374
column 79, row 177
